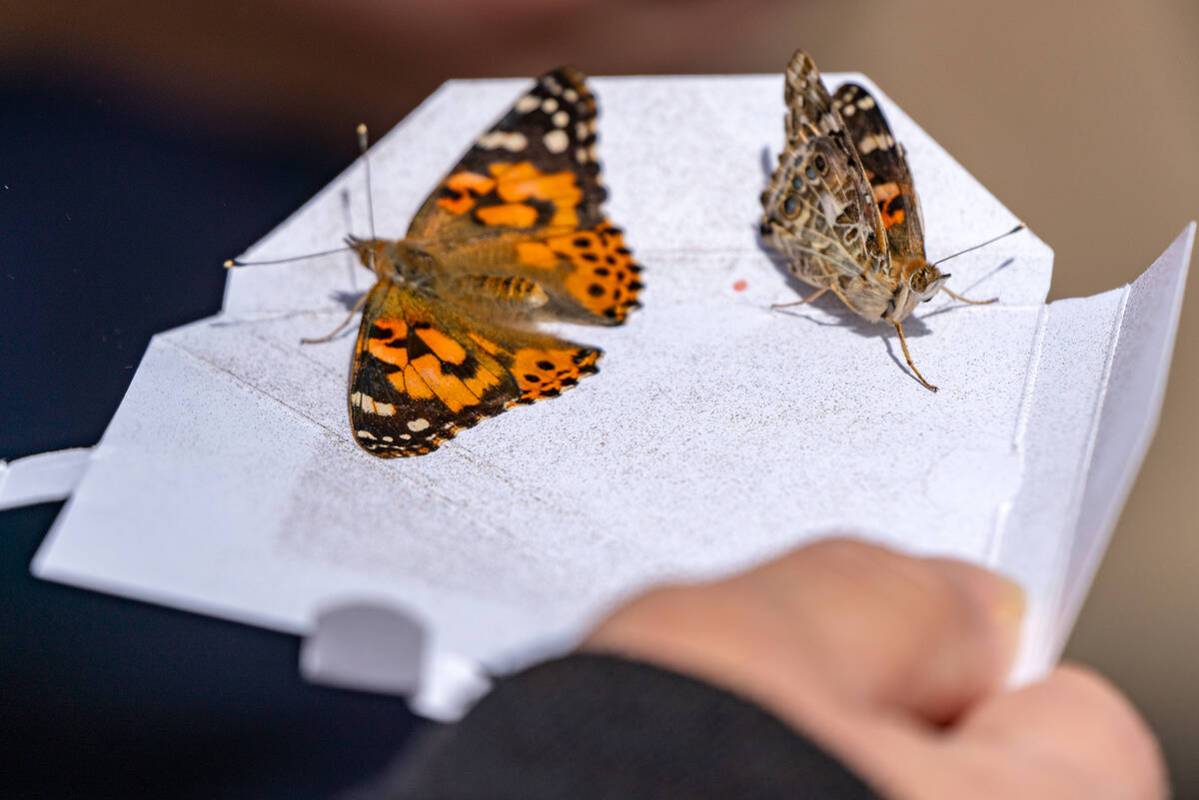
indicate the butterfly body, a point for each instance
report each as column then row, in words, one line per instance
column 841, row 207
column 512, row 235
column 416, row 268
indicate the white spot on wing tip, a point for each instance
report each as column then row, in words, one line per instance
column 417, row 425
column 369, row 405
column 513, row 141
column 556, row 141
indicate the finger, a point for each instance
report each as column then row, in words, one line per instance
column 926, row 637
column 1073, row 729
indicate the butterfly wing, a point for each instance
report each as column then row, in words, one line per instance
column 535, row 168
column 421, row 372
column 818, row 210
column 589, row 275
column 526, row 200
column 810, row 112
column 886, row 168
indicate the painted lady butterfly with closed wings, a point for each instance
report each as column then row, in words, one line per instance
column 514, row 233
column 841, row 207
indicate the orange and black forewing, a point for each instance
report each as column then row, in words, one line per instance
column 886, row 168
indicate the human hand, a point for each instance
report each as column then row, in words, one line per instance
column 896, row 666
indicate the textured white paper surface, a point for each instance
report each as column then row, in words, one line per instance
column 717, row 433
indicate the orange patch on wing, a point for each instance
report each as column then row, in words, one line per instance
column 415, row 385
column 467, row 186
column 523, row 181
column 536, row 254
column 385, row 340
column 449, row 389
column 884, row 195
column 397, row 356
column 442, row 346
column 546, row 373
column 509, row 215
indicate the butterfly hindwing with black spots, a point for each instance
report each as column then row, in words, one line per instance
column 886, row 167
column 422, row 371
column 525, row 200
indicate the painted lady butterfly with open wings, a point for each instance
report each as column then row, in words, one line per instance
column 514, row 233
column 841, row 207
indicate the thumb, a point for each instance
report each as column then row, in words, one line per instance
column 925, row 637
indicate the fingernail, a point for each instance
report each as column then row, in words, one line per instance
column 999, row 598
column 1008, row 611
column 1011, row 602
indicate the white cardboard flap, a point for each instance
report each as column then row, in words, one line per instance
column 42, row 478
column 1133, row 392
column 717, row 433
column 1099, row 378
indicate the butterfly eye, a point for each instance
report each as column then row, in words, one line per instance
column 821, row 164
column 791, row 206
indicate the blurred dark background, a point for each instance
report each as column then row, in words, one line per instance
column 142, row 143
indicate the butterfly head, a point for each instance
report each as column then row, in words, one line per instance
column 922, row 283
column 391, row 260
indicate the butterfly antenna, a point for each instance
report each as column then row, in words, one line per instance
column 233, row 263
column 992, row 240
column 363, row 146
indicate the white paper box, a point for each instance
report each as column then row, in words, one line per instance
column 717, row 433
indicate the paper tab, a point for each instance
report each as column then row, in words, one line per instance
column 42, row 478
column 364, row 646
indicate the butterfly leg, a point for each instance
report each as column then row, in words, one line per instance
column 903, row 342
column 328, row 337
column 803, row 301
column 967, row 300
